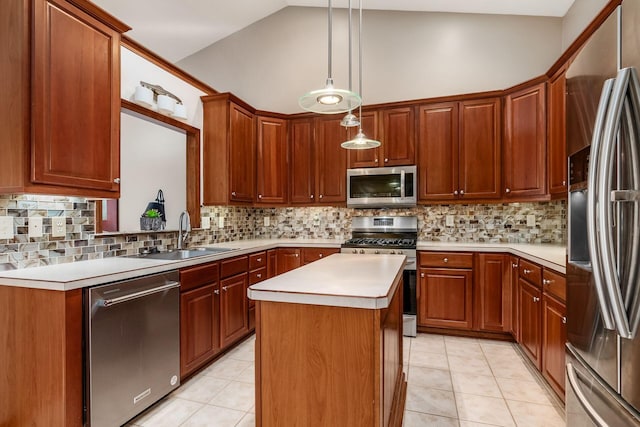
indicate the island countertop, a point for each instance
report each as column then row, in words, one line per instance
column 340, row 280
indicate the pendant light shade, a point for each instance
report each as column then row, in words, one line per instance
column 330, row 100
column 360, row 142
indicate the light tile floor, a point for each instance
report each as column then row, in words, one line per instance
column 452, row 381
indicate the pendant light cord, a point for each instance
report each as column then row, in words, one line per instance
column 329, row 41
column 350, row 48
column 360, row 62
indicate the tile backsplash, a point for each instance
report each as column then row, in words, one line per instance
column 472, row 223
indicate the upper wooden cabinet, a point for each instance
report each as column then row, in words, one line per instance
column 301, row 162
column 525, row 162
column 330, row 160
column 459, row 150
column 369, row 158
column 557, row 142
column 61, row 129
column 228, row 150
column 272, row 173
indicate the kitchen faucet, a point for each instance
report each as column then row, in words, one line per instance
column 184, row 227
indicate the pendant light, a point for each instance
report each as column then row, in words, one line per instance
column 329, row 100
column 350, row 120
column 360, row 141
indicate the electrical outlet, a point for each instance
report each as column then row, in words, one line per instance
column 206, row 222
column 6, row 227
column 35, row 226
column 221, row 222
column 267, row 221
column 531, row 220
column 449, row 220
column 58, row 226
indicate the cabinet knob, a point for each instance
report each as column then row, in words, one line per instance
column 462, row 192
column 259, row 260
column 422, row 275
column 233, row 193
column 116, row 180
column 216, row 291
column 536, row 299
column 311, row 196
column 564, row 183
column 259, row 196
column 514, row 265
column 259, row 275
column 224, row 288
column 386, row 160
column 507, row 190
column 320, row 196
column 525, row 271
column 547, row 281
column 297, row 255
column 319, row 255
column 376, row 160
column 446, row 260
column 564, row 320
column 455, row 193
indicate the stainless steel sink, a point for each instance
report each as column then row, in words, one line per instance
column 178, row 254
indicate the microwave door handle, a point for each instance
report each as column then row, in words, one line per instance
column 402, row 184
column 592, row 197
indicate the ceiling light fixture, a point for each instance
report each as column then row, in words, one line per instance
column 360, row 141
column 350, row 120
column 329, row 100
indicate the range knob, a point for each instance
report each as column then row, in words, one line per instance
column 361, row 251
column 355, row 251
column 376, row 251
column 392, row 252
column 399, row 252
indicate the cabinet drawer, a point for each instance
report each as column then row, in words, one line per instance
column 193, row 277
column 530, row 272
column 233, row 266
column 257, row 260
column 554, row 284
column 446, row 259
column 256, row 276
column 314, row 254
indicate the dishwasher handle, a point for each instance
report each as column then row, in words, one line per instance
column 135, row 295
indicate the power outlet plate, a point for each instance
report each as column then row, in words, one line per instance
column 221, row 222
column 35, row 226
column 267, row 221
column 449, row 221
column 206, row 222
column 58, row 226
column 531, row 220
column 6, row 227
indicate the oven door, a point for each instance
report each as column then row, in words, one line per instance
column 380, row 187
column 410, row 303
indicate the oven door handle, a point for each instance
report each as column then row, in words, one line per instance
column 402, row 177
column 410, row 264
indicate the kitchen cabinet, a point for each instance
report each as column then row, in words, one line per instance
column 310, row 255
column 234, row 319
column 530, row 311
column 330, row 161
column 302, row 161
column 557, row 142
column 288, row 259
column 228, row 150
column 369, row 158
column 459, row 150
column 554, row 326
column 493, row 293
column 272, row 174
column 524, row 166
column 515, row 304
column 61, row 130
column 445, row 290
column 272, row 263
column 397, row 137
column 257, row 273
column 199, row 316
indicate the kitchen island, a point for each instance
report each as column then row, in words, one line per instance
column 329, row 343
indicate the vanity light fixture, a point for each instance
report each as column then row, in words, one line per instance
column 360, row 141
column 155, row 97
column 329, row 100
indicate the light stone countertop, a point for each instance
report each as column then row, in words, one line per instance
column 339, row 280
column 64, row 277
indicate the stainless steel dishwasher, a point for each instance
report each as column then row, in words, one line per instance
column 132, row 345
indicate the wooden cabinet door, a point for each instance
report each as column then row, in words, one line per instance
column 493, row 293
column 515, row 305
column 331, row 161
column 557, row 143
column 480, row 149
column 271, row 164
column 272, row 263
column 310, row 255
column 288, row 259
column 438, row 151
column 234, row 320
column 241, row 154
column 398, row 137
column 301, row 157
column 199, row 327
column 368, row 158
column 445, row 298
column 525, row 143
column 75, row 99
column 554, row 333
column 529, row 317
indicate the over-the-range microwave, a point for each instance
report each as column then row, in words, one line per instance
column 382, row 187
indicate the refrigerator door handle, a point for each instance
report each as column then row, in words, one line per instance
column 592, row 198
column 572, row 376
column 604, row 185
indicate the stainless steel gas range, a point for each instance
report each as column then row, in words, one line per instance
column 390, row 235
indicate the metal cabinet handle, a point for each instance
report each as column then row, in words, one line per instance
column 455, row 193
column 462, row 192
column 514, row 265
column 564, row 320
column 233, row 193
column 386, row 160
column 376, row 160
column 321, row 196
column 297, row 255
column 507, row 190
column 564, row 183
column 216, row 291
column 311, row 197
column 446, row 260
column 320, row 255
column 525, row 271
column 259, row 260
column 421, row 274
column 259, row 196
column 547, row 281
column 116, row 180
column 259, row 275
column 224, row 288
column 536, row 299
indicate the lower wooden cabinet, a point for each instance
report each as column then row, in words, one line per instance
column 515, row 304
column 445, row 298
column 530, row 321
column 310, row 255
column 493, row 293
column 234, row 321
column 199, row 327
column 554, row 333
column 288, row 259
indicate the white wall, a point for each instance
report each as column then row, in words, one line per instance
column 407, row 55
column 578, row 17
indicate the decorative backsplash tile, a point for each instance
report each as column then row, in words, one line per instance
column 475, row 223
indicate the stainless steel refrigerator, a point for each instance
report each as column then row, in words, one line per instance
column 603, row 272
